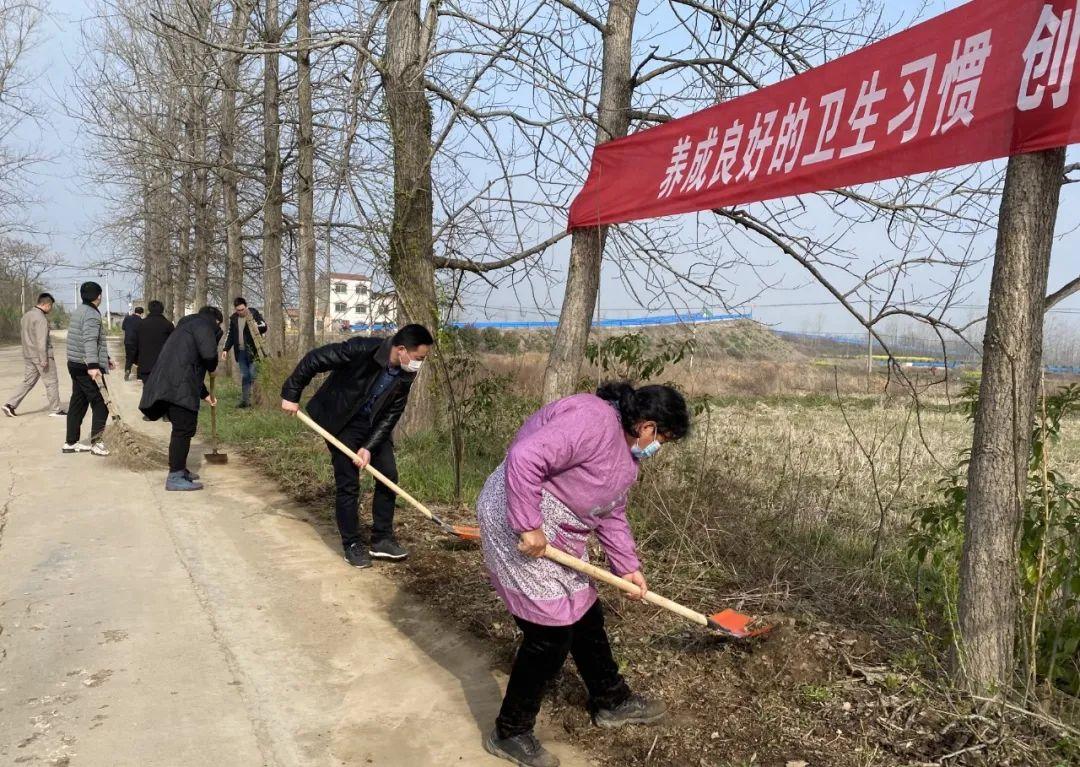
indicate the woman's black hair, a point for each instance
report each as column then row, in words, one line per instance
column 662, row 404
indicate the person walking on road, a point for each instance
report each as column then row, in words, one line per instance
column 177, row 384
column 88, row 361
column 566, row 474
column 130, row 323
column 38, row 360
column 360, row 403
column 149, row 338
column 246, row 329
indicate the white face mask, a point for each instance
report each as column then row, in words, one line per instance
column 413, row 366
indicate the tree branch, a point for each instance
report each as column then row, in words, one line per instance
column 468, row 265
column 1056, row 298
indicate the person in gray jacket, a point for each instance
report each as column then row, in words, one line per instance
column 38, row 361
column 88, row 360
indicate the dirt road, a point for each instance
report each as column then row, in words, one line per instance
column 139, row 627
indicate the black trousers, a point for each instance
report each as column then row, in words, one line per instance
column 542, row 654
column 85, row 394
column 347, row 479
column 184, row 423
column 129, row 355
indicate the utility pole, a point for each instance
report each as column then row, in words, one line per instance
column 108, row 312
column 869, row 344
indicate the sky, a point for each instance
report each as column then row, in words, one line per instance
column 71, row 207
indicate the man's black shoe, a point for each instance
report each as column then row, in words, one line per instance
column 633, row 710
column 243, row 405
column 388, row 548
column 524, row 750
column 356, row 556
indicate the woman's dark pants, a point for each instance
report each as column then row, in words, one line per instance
column 539, row 659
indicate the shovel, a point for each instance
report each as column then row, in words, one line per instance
column 461, row 531
column 215, row 456
column 729, row 622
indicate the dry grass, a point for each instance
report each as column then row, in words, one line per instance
column 774, row 505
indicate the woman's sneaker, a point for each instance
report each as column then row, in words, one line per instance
column 78, row 447
column 633, row 710
column 524, row 750
column 98, row 448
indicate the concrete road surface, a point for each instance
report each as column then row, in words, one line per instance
column 139, row 627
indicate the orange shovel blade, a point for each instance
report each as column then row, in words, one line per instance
column 467, row 533
column 738, row 625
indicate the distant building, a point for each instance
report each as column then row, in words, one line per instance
column 353, row 304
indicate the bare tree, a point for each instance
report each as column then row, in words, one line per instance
column 587, row 246
column 19, row 23
column 997, row 474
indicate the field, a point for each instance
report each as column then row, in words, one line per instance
column 792, row 499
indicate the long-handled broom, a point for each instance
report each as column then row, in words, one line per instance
column 133, row 449
column 729, row 622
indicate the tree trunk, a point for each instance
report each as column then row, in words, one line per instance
column 587, row 245
column 201, row 203
column 1012, row 354
column 183, row 270
column 273, row 296
column 305, row 180
column 230, row 179
column 411, row 249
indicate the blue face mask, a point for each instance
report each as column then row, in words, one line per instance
column 648, row 451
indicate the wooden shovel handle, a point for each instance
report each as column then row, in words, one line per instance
column 306, row 419
column 552, row 553
column 600, row 574
column 213, row 413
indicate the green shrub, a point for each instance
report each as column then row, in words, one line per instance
column 1049, row 550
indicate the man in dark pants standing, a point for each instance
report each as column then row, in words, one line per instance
column 246, row 329
column 360, row 403
column 150, row 337
column 177, row 384
column 88, row 360
column 128, row 326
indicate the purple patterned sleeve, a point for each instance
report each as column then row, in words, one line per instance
column 618, row 542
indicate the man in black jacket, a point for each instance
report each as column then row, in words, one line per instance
column 130, row 323
column 360, row 403
column 247, row 344
column 177, row 384
column 149, row 338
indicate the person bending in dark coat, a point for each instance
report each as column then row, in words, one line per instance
column 149, row 339
column 360, row 403
column 177, row 384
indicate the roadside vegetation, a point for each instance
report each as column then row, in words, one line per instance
column 828, row 509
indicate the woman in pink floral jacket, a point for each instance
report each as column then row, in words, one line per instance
column 566, row 475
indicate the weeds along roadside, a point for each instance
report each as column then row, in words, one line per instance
column 771, row 505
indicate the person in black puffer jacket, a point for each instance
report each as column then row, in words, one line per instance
column 360, row 403
column 177, row 386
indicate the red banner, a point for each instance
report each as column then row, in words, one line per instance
column 990, row 79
